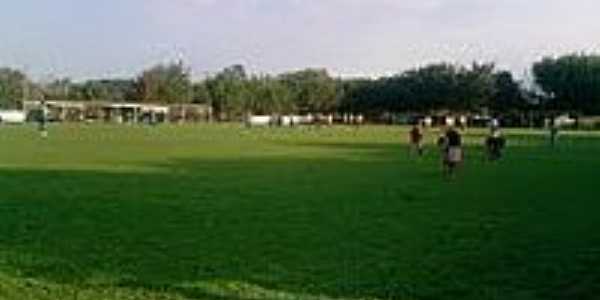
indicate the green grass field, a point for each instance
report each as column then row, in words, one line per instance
column 222, row 212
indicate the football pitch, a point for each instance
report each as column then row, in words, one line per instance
column 225, row 212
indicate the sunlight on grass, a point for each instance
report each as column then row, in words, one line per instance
column 225, row 212
column 223, row 289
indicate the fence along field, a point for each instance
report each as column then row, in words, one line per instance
column 226, row 212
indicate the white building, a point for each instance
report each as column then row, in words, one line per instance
column 12, row 117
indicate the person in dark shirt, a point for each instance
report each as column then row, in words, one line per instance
column 553, row 134
column 442, row 144
column 494, row 145
column 454, row 152
column 416, row 140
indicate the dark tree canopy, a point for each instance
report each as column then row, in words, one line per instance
column 508, row 95
column 431, row 88
column 570, row 82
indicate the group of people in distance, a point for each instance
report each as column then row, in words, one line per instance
column 450, row 145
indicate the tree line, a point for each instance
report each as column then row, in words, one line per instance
column 567, row 83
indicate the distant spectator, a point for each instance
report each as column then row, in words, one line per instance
column 442, row 144
column 494, row 123
column 463, row 123
column 494, row 144
column 416, row 140
column 42, row 125
column 553, row 133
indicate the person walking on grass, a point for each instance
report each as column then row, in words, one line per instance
column 453, row 151
column 494, row 144
column 42, row 126
column 553, row 133
column 442, row 144
column 416, row 140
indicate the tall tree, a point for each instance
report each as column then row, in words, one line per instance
column 313, row 90
column 477, row 87
column 508, row 94
column 201, row 93
column 61, row 89
column 14, row 86
column 108, row 90
column 228, row 92
column 571, row 82
column 168, row 83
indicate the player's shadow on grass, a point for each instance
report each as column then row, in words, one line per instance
column 341, row 227
column 283, row 224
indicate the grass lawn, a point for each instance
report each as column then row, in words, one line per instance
column 221, row 212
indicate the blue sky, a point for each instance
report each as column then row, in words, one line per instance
column 115, row 38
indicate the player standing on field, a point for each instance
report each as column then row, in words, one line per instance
column 416, row 140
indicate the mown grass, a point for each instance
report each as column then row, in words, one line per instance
column 223, row 212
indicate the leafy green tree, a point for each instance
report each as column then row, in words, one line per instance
column 268, row 95
column 60, row 89
column 312, row 90
column 428, row 89
column 14, row 87
column 232, row 93
column 120, row 90
column 108, row 89
column 201, row 93
column 508, row 94
column 280, row 96
column 228, row 92
column 359, row 95
column 476, row 87
column 571, row 82
column 260, row 99
column 168, row 83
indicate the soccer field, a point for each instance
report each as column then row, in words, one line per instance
column 224, row 212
